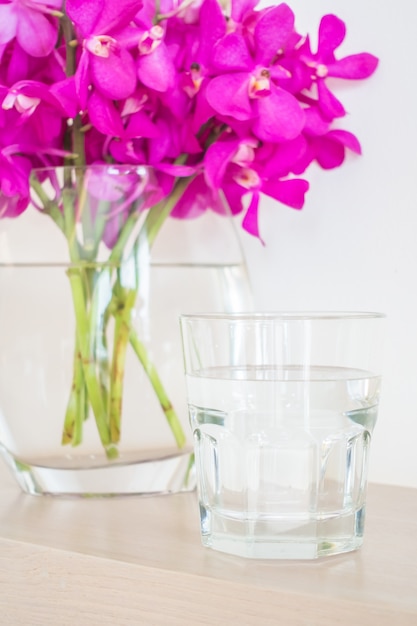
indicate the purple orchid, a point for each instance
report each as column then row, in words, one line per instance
column 239, row 105
column 323, row 64
column 14, row 184
column 234, row 166
column 104, row 62
column 33, row 23
column 219, row 107
column 155, row 65
column 248, row 86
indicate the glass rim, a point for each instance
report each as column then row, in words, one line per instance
column 283, row 316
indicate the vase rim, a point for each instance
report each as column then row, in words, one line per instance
column 92, row 166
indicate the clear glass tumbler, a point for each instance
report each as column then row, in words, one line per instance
column 282, row 407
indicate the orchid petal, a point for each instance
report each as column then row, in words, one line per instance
column 241, row 7
column 272, row 32
column 203, row 111
column 64, row 91
column 14, row 185
column 329, row 104
column 36, row 33
column 122, row 150
column 356, row 66
column 328, row 154
column 140, row 125
column 347, row 139
column 315, row 124
column 229, row 95
column 290, row 192
column 114, row 224
column 84, row 14
column 82, row 79
column 284, row 158
column 18, row 65
column 116, row 15
column 156, row 70
column 3, row 47
column 114, row 76
column 9, row 22
column 56, row 4
column 47, row 126
column 159, row 147
column 305, row 160
column 212, row 28
column 176, row 100
column 189, row 142
column 36, row 89
column 332, row 32
column 231, row 53
column 104, row 115
column 194, row 201
column 217, row 157
column 234, row 194
column 250, row 221
column 278, row 72
column 280, row 117
column 176, row 170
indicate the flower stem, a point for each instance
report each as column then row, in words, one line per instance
column 74, row 137
column 156, row 383
column 49, row 207
column 77, row 408
column 157, row 214
column 91, row 372
column 121, row 340
column 89, row 367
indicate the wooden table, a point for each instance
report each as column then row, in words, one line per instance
column 139, row 561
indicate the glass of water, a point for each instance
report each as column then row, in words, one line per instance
column 282, row 408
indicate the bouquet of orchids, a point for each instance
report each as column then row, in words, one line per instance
column 220, row 103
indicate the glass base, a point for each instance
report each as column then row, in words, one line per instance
column 283, row 538
column 158, row 475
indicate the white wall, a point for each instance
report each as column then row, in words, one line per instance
column 354, row 244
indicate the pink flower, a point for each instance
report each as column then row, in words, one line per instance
column 105, row 62
column 239, row 105
column 14, row 184
column 155, row 67
column 324, row 64
column 248, row 86
column 236, row 167
column 32, row 23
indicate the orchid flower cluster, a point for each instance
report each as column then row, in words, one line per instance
column 212, row 106
column 238, row 103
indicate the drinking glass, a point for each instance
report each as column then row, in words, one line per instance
column 282, row 408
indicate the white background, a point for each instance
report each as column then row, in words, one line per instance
column 353, row 247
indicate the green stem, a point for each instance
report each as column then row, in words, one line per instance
column 82, row 288
column 70, row 224
column 88, row 363
column 88, row 387
column 74, row 139
column 157, row 214
column 121, row 340
column 77, row 408
column 99, row 285
column 118, row 249
column 123, row 330
column 49, row 207
column 158, row 387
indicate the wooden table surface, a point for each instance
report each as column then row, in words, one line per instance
column 139, row 561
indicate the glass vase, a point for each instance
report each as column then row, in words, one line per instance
column 93, row 278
